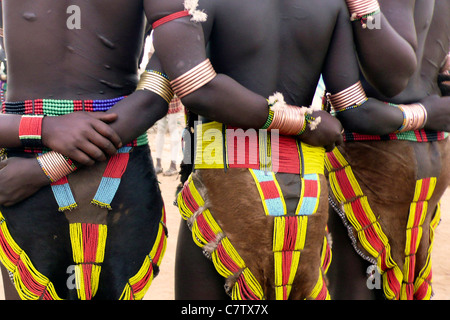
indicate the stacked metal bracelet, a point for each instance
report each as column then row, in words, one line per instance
column 55, row 165
column 414, row 117
column 362, row 10
column 349, row 98
column 30, row 130
column 156, row 82
column 193, row 79
column 289, row 120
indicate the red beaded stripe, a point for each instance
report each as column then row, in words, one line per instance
column 170, row 17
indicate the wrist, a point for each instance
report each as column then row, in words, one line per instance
column 289, row 120
column 362, row 10
column 55, row 165
column 414, row 117
column 39, row 179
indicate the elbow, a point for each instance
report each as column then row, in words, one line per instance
column 394, row 81
column 392, row 84
column 393, row 87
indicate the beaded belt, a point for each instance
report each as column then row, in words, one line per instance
column 56, row 107
column 416, row 136
column 219, row 147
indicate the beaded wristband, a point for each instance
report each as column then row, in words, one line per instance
column 156, row 82
column 350, row 98
column 269, row 119
column 55, row 165
column 193, row 79
column 30, row 129
column 414, row 117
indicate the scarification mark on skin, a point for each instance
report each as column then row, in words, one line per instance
column 106, row 42
column 29, row 16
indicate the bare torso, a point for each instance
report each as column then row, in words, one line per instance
column 279, row 46
column 49, row 57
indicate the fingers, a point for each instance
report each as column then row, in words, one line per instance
column 82, row 158
column 105, row 117
column 102, row 147
column 106, row 132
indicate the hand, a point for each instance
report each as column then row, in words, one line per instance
column 83, row 137
column 444, row 77
column 19, row 179
column 438, row 113
column 327, row 134
column 444, row 83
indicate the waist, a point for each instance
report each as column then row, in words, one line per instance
column 218, row 146
column 59, row 107
column 416, row 136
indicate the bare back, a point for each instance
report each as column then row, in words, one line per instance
column 279, row 45
column 87, row 49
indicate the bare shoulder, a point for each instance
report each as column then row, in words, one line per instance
column 156, row 9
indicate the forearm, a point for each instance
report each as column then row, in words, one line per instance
column 373, row 117
column 378, row 118
column 391, row 73
column 225, row 101
column 136, row 114
column 9, row 130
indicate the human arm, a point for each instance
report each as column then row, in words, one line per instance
column 386, row 46
column 22, row 177
column 373, row 117
column 180, row 45
column 341, row 71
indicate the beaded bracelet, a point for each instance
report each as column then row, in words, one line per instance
column 55, row 165
column 156, row 82
column 269, row 119
column 349, row 98
column 414, row 117
column 362, row 10
column 193, row 79
column 30, row 131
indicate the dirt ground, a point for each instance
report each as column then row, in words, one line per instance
column 162, row 287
